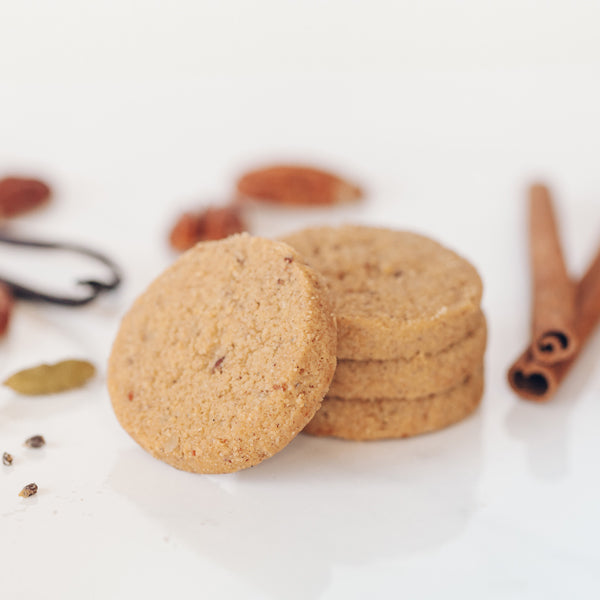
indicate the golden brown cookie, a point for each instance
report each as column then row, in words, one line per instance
column 225, row 357
column 397, row 418
column 419, row 376
column 396, row 293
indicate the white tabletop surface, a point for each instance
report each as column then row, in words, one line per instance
column 444, row 111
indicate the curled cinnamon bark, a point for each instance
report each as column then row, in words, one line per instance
column 535, row 380
column 554, row 332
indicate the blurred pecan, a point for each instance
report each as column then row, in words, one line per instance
column 294, row 185
column 19, row 195
column 6, row 305
column 213, row 223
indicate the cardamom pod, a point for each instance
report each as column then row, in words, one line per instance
column 50, row 379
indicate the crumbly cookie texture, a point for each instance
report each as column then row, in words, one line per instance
column 396, row 293
column 421, row 375
column 397, row 418
column 225, row 357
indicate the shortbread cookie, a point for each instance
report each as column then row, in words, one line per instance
column 397, row 418
column 396, row 293
column 421, row 375
column 225, row 357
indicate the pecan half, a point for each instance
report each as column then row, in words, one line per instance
column 19, row 195
column 6, row 306
column 296, row 185
column 213, row 223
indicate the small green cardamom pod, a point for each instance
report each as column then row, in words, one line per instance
column 49, row 379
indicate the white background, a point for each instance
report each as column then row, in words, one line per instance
column 444, row 111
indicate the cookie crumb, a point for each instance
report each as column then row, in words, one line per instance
column 7, row 459
column 29, row 490
column 35, row 441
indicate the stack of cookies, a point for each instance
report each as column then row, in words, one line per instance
column 232, row 351
column 411, row 333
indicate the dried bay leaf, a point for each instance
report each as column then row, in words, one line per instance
column 50, row 379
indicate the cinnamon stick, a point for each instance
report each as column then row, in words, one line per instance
column 535, row 380
column 554, row 332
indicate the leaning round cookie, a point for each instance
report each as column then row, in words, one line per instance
column 397, row 418
column 225, row 357
column 395, row 293
column 419, row 376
